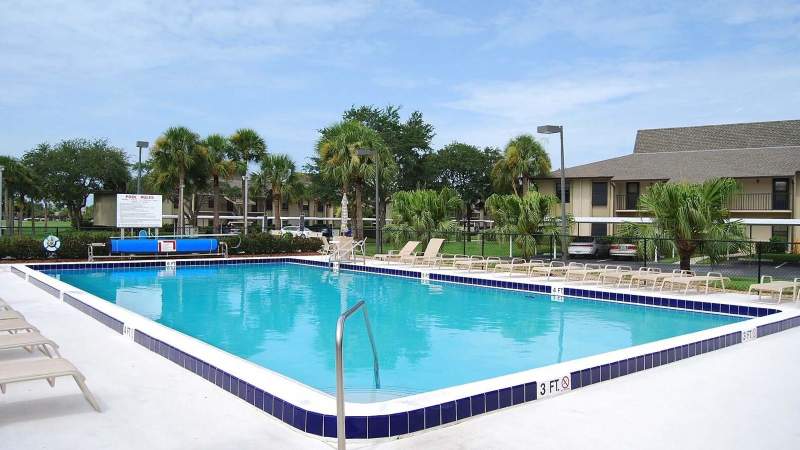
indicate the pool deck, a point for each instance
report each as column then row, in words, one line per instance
column 689, row 404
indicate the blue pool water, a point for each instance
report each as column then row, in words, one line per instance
column 429, row 336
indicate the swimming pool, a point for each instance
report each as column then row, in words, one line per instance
column 434, row 328
column 429, row 335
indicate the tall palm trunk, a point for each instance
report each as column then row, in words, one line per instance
column 525, row 185
column 358, row 216
column 685, row 251
column 277, row 199
column 181, row 217
column 8, row 213
column 216, row 204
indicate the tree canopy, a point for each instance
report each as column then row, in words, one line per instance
column 466, row 169
column 407, row 141
column 72, row 169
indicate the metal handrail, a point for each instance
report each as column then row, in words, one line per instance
column 340, row 432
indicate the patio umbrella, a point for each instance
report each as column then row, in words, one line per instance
column 344, row 214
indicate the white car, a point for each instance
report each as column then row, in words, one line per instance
column 588, row 246
column 295, row 231
column 623, row 250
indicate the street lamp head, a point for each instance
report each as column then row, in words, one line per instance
column 549, row 129
column 142, row 144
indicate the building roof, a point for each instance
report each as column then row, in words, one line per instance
column 693, row 166
column 783, row 133
column 761, row 149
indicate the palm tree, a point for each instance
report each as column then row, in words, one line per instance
column 174, row 154
column 247, row 146
column 528, row 217
column 689, row 213
column 277, row 172
column 424, row 211
column 337, row 149
column 524, row 158
column 221, row 166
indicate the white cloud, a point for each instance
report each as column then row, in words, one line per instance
column 602, row 109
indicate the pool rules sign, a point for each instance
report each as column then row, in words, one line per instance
column 138, row 211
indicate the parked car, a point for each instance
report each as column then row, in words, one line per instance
column 622, row 250
column 588, row 246
column 294, row 230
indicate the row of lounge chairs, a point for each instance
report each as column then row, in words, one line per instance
column 614, row 275
column 17, row 334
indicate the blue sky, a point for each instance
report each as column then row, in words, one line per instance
column 481, row 72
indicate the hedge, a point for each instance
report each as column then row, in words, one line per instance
column 75, row 245
column 268, row 244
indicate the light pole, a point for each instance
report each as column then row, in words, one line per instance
column 1, row 199
column 552, row 129
column 378, row 234
column 245, row 179
column 141, row 145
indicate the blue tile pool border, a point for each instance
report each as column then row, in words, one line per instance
column 431, row 416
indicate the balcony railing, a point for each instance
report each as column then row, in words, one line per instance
column 627, row 202
column 759, row 202
column 739, row 202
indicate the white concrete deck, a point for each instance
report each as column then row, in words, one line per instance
column 744, row 396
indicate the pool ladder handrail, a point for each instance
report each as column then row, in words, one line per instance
column 340, row 432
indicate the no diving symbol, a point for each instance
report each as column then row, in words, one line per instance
column 565, row 383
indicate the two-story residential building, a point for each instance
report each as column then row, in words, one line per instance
column 764, row 157
column 105, row 204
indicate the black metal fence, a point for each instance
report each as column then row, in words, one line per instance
column 744, row 262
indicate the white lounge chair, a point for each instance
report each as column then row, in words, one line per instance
column 16, row 325
column 326, row 246
column 617, row 276
column 584, row 273
column 771, row 287
column 654, row 276
column 29, row 341
column 517, row 265
column 697, row 281
column 10, row 314
column 476, row 261
column 554, row 269
column 43, row 369
column 429, row 257
column 397, row 255
column 448, row 260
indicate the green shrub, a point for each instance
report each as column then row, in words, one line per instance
column 776, row 245
column 21, row 247
column 75, row 245
column 268, row 244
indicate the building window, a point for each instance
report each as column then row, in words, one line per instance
column 306, row 208
column 780, row 233
column 566, row 191
column 211, row 202
column 268, row 202
column 780, row 193
column 320, row 207
column 599, row 229
column 285, row 204
column 600, row 194
column 631, row 196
